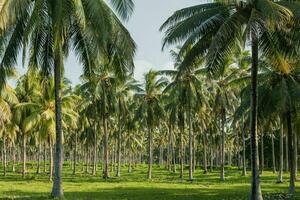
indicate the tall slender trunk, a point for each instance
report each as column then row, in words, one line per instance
column 255, row 179
column 262, row 156
column 211, row 157
column 296, row 154
column 57, row 190
column 4, row 155
column 223, row 118
column 24, row 156
column 95, row 151
column 119, row 145
column 44, row 157
column 14, row 158
column 173, row 150
column 194, row 153
column 50, row 160
column 75, row 154
column 181, row 153
column 244, row 151
column 86, row 160
column 174, row 158
column 204, row 154
column 161, row 155
column 105, row 146
column 190, row 142
column 129, row 157
column 280, row 172
column 38, row 169
column 83, row 158
column 150, row 159
column 229, row 157
column 169, row 156
column 273, row 154
column 237, row 151
column 292, row 158
column 286, row 153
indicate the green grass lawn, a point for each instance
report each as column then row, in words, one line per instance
column 135, row 186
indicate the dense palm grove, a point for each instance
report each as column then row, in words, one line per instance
column 232, row 98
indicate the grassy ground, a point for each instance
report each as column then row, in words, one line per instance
column 135, row 186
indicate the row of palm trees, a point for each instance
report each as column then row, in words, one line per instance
column 209, row 88
column 169, row 119
column 50, row 29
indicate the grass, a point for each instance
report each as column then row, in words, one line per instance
column 135, row 186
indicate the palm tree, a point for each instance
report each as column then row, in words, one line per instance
column 278, row 90
column 283, row 99
column 49, row 28
column 188, row 87
column 27, row 90
column 150, row 107
column 7, row 128
column 42, row 114
column 214, row 29
column 124, row 91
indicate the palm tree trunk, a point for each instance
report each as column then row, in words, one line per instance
column 181, row 154
column 292, row 158
column 161, row 150
column 75, row 155
column 262, row 158
column 244, row 152
column 51, row 160
column 105, row 146
column 273, row 154
column 119, row 147
column 296, row 154
column 194, row 153
column 150, row 160
column 173, row 149
column 255, row 179
column 95, row 152
column 280, row 172
column 286, row 153
column 190, row 142
column 129, row 157
column 86, row 160
column 204, row 154
column 57, row 190
column 44, row 157
column 14, row 158
column 4, row 155
column 211, row 159
column 169, row 156
column 38, row 169
column 174, row 158
column 223, row 118
column 24, row 156
column 237, row 151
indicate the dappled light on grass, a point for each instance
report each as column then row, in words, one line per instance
column 135, row 186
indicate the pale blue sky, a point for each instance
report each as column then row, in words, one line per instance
column 144, row 28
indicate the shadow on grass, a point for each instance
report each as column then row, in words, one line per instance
column 121, row 193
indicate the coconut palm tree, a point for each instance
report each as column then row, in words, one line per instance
column 42, row 114
column 187, row 85
column 123, row 93
column 7, row 128
column 214, row 29
column 49, row 29
column 149, row 107
column 27, row 90
column 278, row 91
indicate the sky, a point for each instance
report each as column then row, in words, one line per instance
column 144, row 25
